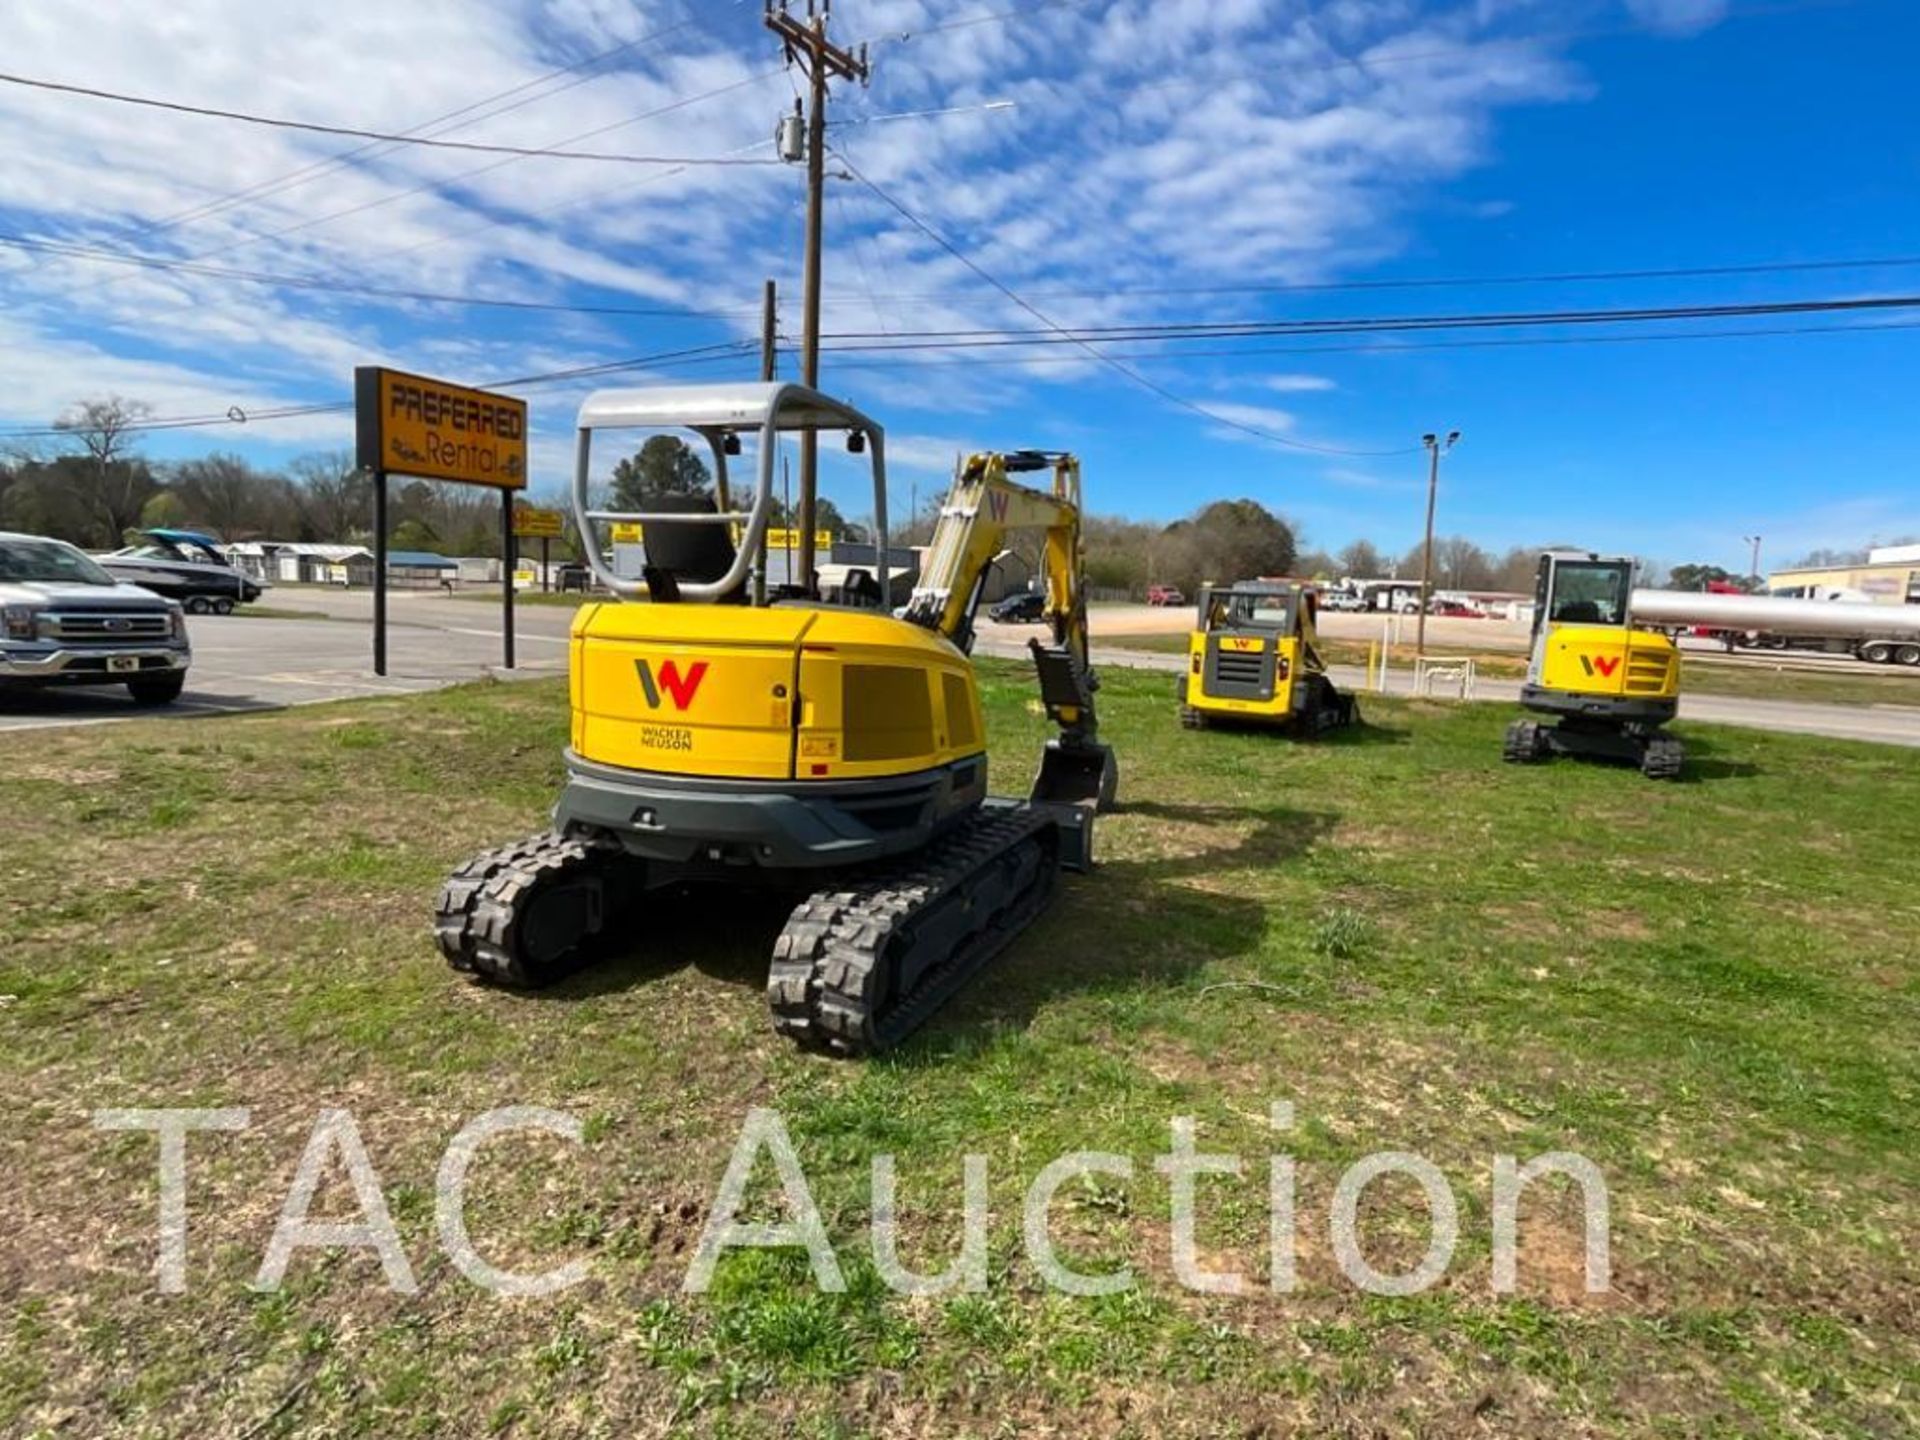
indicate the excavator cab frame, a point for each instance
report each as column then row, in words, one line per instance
column 722, row 415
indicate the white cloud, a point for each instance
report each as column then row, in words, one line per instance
column 1156, row 145
column 1679, row 17
column 1259, row 416
column 1298, row 384
column 927, row 454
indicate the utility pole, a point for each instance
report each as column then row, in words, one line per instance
column 1435, row 449
column 1753, row 567
column 769, row 330
column 806, row 44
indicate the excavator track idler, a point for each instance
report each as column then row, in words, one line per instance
column 1526, row 743
column 1664, row 759
column 858, row 968
column 527, row 914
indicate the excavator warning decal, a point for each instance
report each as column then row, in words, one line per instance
column 680, row 688
column 1603, row 665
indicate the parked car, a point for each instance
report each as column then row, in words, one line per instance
column 65, row 621
column 1341, row 600
column 1023, row 609
column 1165, row 595
column 1456, row 610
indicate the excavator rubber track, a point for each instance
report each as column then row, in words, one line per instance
column 528, row 913
column 859, row 968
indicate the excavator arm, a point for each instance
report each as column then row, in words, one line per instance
column 985, row 507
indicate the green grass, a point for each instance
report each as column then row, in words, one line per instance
column 1711, row 989
column 280, row 612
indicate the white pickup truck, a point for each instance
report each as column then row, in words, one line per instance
column 65, row 621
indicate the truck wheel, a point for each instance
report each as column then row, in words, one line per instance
column 223, row 606
column 157, row 692
column 1876, row 652
column 195, row 604
column 1908, row 655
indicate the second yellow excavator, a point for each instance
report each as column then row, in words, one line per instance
column 737, row 730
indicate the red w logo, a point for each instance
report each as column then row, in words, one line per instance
column 997, row 504
column 680, row 688
column 1603, row 664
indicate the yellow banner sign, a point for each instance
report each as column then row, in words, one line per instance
column 629, row 535
column 411, row 425
column 532, row 524
column 790, row 539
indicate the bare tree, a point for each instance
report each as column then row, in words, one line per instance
column 336, row 494
column 115, row 487
column 230, row 497
column 1362, row 561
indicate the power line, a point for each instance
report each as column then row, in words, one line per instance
column 1447, row 282
column 874, row 298
column 935, row 358
column 389, row 199
column 345, row 287
column 1119, row 367
column 234, row 415
column 1082, row 335
column 902, row 36
column 520, row 152
column 579, row 70
column 299, row 176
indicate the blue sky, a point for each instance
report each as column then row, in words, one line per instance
column 1153, row 155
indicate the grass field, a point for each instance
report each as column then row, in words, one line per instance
column 1710, row 989
column 1703, row 675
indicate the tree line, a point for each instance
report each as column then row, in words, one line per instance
column 97, row 489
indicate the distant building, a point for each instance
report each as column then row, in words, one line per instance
column 287, row 562
column 290, row 562
column 1890, row 576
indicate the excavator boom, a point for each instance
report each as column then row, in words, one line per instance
column 986, row 506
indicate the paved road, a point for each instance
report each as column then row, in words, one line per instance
column 243, row 664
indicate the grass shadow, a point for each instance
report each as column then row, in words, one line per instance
column 724, row 932
column 1128, row 922
column 1366, row 732
column 1133, row 922
column 1706, row 764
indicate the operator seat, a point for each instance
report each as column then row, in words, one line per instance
column 680, row 550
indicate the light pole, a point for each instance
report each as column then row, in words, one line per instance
column 1753, row 566
column 1435, row 449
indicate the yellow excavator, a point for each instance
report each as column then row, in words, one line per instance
column 1608, row 685
column 737, row 729
column 1254, row 658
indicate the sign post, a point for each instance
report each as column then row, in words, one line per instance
column 544, row 526
column 506, row 572
column 432, row 430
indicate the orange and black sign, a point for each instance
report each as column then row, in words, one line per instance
column 411, row 425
